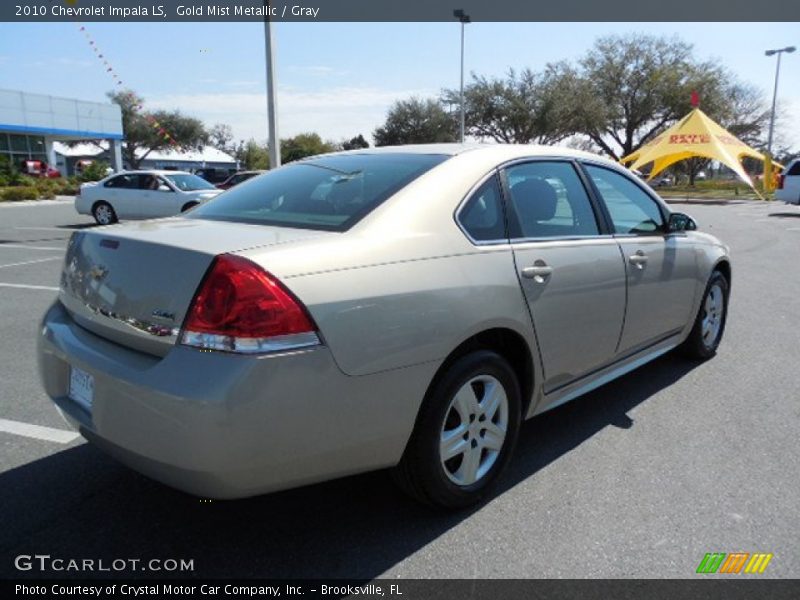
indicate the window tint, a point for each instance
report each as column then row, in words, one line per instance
column 331, row 192
column 794, row 169
column 482, row 215
column 549, row 200
column 148, row 182
column 632, row 210
column 123, row 181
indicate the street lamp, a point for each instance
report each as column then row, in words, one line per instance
column 779, row 51
column 272, row 96
column 463, row 19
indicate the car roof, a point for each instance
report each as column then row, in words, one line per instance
column 153, row 172
column 502, row 151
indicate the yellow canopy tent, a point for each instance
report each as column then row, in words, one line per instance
column 694, row 135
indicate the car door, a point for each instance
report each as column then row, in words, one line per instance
column 569, row 267
column 156, row 198
column 661, row 267
column 120, row 192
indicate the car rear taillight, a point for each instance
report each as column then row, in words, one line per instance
column 781, row 177
column 239, row 307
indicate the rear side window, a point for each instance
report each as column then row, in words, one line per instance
column 482, row 216
column 329, row 193
column 549, row 200
column 631, row 209
column 124, row 181
column 794, row 169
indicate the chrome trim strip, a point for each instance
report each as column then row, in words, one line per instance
column 225, row 343
column 119, row 322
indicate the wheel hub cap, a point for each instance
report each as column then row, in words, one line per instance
column 713, row 309
column 474, row 430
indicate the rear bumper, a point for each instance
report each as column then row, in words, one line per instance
column 227, row 426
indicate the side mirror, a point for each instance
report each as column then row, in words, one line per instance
column 679, row 222
column 164, row 188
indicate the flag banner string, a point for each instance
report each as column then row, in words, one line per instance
column 112, row 72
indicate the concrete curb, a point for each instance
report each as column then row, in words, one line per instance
column 58, row 200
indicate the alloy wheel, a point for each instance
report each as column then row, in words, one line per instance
column 474, row 430
column 713, row 310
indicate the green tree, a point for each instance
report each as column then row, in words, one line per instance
column 252, row 155
column 143, row 136
column 627, row 89
column 355, row 143
column 220, row 136
column 416, row 121
column 303, row 145
column 95, row 171
column 522, row 108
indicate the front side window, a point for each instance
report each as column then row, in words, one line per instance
column 482, row 215
column 631, row 209
column 329, row 193
column 549, row 200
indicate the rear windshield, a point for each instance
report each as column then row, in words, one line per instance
column 329, row 193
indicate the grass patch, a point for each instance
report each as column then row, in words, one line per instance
column 724, row 190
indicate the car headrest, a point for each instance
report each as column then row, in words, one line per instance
column 535, row 200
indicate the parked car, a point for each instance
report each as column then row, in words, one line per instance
column 788, row 189
column 142, row 195
column 663, row 180
column 397, row 307
column 238, row 178
column 39, row 168
column 214, row 175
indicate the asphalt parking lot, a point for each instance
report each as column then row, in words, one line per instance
column 638, row 479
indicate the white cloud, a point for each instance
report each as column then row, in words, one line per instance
column 334, row 113
column 320, row 70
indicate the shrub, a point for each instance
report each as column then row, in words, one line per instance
column 21, row 192
column 94, row 172
column 67, row 188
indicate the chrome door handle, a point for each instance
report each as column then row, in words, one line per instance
column 639, row 259
column 538, row 272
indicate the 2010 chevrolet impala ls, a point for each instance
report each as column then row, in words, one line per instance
column 399, row 307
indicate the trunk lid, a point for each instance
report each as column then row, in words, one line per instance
column 133, row 283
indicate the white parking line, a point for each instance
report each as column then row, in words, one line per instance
column 29, row 287
column 30, row 262
column 61, row 229
column 37, row 432
column 24, row 247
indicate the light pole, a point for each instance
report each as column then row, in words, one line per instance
column 463, row 19
column 779, row 51
column 272, row 98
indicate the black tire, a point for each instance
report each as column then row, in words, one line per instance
column 104, row 213
column 698, row 345
column 188, row 206
column 421, row 473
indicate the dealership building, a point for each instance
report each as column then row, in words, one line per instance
column 30, row 125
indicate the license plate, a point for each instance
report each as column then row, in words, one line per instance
column 81, row 387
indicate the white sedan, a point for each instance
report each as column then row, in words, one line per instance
column 142, row 195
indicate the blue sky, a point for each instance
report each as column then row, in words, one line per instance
column 339, row 78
